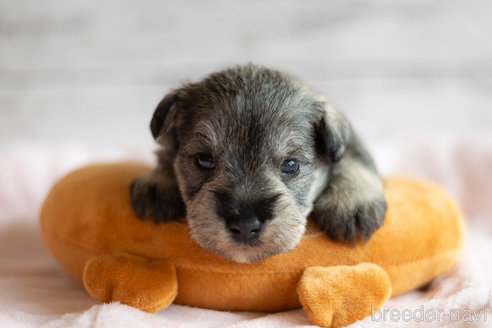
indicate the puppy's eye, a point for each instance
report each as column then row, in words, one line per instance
column 290, row 166
column 205, row 161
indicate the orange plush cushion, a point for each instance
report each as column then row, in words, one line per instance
column 89, row 225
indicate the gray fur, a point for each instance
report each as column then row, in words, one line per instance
column 250, row 119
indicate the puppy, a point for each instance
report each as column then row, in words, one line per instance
column 247, row 154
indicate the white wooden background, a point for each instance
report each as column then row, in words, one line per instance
column 91, row 72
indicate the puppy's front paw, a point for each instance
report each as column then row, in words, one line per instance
column 345, row 221
column 149, row 199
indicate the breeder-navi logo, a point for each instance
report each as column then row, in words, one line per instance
column 429, row 315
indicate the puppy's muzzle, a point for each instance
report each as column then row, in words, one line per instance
column 245, row 219
column 245, row 230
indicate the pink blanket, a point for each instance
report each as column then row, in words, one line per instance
column 35, row 291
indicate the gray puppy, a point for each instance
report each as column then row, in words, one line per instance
column 247, row 154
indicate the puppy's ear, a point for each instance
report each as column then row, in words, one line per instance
column 333, row 133
column 164, row 114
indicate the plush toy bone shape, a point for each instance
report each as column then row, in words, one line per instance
column 89, row 225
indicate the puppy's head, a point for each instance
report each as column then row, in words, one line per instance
column 251, row 149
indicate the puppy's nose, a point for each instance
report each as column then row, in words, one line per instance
column 245, row 230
